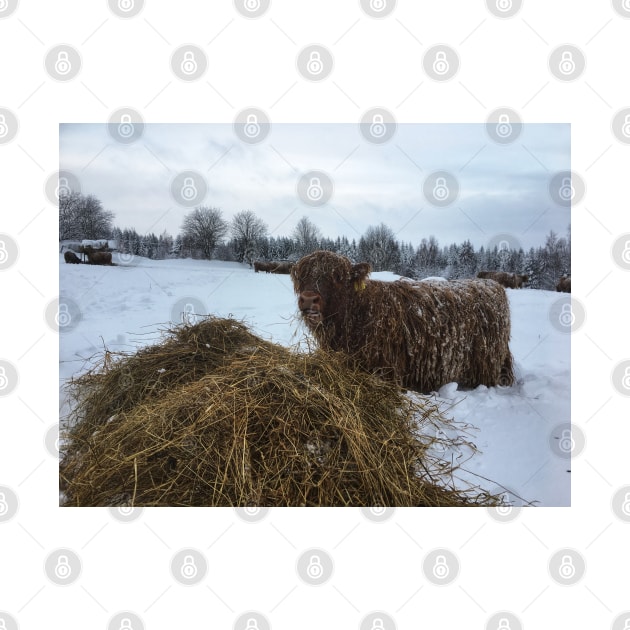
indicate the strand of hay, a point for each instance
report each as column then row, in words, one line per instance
column 215, row 416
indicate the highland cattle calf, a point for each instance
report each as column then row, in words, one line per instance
column 421, row 335
column 71, row 257
column 564, row 284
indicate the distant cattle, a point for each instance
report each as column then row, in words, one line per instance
column 261, row 266
column 273, row 267
column 71, row 257
column 421, row 335
column 564, row 284
column 281, row 267
column 97, row 257
column 520, row 280
column 508, row 280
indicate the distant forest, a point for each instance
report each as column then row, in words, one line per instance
column 205, row 234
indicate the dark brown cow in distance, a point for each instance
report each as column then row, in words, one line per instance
column 71, row 257
column 520, row 280
column 273, row 267
column 508, row 280
column 564, row 284
column 421, row 335
column 97, row 257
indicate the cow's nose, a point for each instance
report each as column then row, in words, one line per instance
column 309, row 300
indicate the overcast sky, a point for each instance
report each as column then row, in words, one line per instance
column 503, row 189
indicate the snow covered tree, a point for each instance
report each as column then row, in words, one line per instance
column 306, row 236
column 83, row 216
column 203, row 228
column 247, row 231
column 379, row 247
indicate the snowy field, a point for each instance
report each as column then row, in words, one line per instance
column 520, row 431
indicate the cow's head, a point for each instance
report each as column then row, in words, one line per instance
column 322, row 281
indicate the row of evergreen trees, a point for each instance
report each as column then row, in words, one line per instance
column 206, row 234
column 543, row 265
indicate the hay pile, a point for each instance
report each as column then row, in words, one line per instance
column 215, row 416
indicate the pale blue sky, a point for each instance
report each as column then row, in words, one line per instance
column 503, row 188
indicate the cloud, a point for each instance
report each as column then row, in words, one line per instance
column 503, row 188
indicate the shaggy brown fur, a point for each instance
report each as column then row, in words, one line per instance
column 564, row 284
column 98, row 257
column 420, row 334
column 71, row 257
column 260, row 266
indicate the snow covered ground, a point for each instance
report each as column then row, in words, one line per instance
column 522, row 432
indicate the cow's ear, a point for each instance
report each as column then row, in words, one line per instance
column 360, row 272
